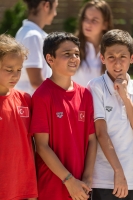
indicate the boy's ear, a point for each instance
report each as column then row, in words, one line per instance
column 102, row 58
column 131, row 60
column 46, row 5
column 49, row 59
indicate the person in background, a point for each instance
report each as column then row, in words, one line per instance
column 63, row 126
column 95, row 20
column 17, row 168
column 31, row 35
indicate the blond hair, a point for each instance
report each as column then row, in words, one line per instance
column 9, row 45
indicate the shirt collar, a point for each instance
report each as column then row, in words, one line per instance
column 32, row 25
column 110, row 85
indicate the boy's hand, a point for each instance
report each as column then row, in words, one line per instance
column 77, row 188
column 88, row 182
column 120, row 84
column 120, row 185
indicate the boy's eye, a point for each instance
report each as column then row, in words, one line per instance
column 9, row 70
column 111, row 57
column 67, row 54
column 76, row 54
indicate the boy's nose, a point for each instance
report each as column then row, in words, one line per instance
column 73, row 57
column 117, row 62
column 16, row 74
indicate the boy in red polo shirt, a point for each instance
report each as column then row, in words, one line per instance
column 17, row 170
column 62, row 124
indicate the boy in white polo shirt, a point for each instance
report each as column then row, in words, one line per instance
column 113, row 114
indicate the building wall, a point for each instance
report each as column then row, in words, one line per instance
column 5, row 4
column 66, row 8
column 122, row 11
column 123, row 14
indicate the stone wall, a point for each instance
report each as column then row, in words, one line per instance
column 122, row 11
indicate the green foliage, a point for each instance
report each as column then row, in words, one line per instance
column 70, row 24
column 12, row 19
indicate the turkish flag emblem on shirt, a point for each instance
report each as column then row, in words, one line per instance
column 23, row 111
column 81, row 116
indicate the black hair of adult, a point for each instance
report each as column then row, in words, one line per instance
column 116, row 36
column 33, row 4
column 54, row 39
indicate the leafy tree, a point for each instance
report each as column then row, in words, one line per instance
column 70, row 24
column 12, row 19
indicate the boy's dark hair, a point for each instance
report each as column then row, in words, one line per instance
column 116, row 36
column 33, row 4
column 53, row 41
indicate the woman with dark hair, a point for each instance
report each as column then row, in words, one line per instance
column 31, row 35
column 95, row 19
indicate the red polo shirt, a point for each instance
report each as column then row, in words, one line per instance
column 67, row 116
column 17, row 170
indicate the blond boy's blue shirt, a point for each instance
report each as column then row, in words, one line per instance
column 109, row 106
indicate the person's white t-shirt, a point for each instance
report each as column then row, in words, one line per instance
column 89, row 68
column 32, row 37
column 109, row 106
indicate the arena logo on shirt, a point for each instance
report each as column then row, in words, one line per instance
column 59, row 114
column 23, row 111
column 81, row 116
column 109, row 108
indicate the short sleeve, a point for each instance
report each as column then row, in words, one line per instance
column 39, row 120
column 35, row 48
column 90, row 114
column 97, row 94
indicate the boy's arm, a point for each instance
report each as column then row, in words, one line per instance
column 90, row 160
column 120, row 85
column 120, row 184
column 75, row 187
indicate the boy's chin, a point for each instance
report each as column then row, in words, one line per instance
column 112, row 77
column 11, row 87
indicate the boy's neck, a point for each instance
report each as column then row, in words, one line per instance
column 64, row 82
column 4, row 92
column 37, row 21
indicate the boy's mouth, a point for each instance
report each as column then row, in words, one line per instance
column 72, row 65
column 118, row 71
column 13, row 83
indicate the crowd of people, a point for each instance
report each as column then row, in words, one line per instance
column 66, row 108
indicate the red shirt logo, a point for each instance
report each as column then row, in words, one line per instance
column 23, row 111
column 81, row 116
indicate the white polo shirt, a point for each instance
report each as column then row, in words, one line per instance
column 89, row 68
column 109, row 106
column 32, row 37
